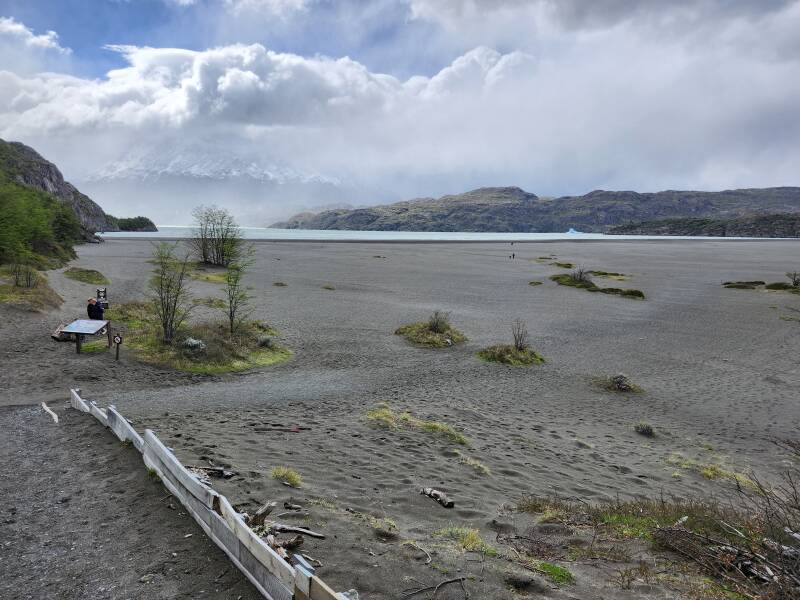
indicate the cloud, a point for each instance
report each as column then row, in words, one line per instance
column 608, row 99
column 14, row 31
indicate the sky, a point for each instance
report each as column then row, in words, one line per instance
column 388, row 100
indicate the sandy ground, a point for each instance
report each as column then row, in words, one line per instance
column 81, row 519
column 719, row 368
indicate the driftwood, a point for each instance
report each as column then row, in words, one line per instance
column 275, row 545
column 217, row 472
column 261, row 514
column 439, row 496
column 290, row 506
column 281, row 528
column 435, row 588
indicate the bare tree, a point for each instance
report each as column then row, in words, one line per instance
column 168, row 287
column 237, row 294
column 580, row 275
column 519, row 332
column 217, row 238
column 439, row 322
column 794, row 277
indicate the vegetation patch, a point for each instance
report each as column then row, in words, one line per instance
column 581, row 279
column 385, row 417
column 86, row 276
column 477, row 465
column 507, row 354
column 97, row 346
column 619, row 383
column 279, row 284
column 468, row 539
column 563, row 265
column 644, row 429
column 288, row 476
column 34, row 293
column 437, row 332
column 556, row 574
column 610, row 275
column 207, row 273
column 535, row 283
column 710, row 470
column 203, row 348
column 210, row 302
column 328, row 287
column 742, row 285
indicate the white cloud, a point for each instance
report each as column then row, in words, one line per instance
column 618, row 104
column 14, row 31
column 281, row 8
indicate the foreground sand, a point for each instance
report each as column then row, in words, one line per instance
column 719, row 368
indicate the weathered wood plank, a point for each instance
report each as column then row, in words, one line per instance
column 321, row 591
column 77, row 402
column 260, row 550
column 173, row 465
column 98, row 413
column 123, row 430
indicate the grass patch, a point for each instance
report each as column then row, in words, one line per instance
column 328, row 287
column 507, row 354
column 711, row 471
column 742, row 285
column 279, row 284
column 385, row 417
column 423, row 334
column 202, row 272
column 37, row 298
column 477, row 465
column 556, row 574
column 220, row 352
column 535, row 283
column 210, row 302
column 95, row 346
column 288, row 476
column 590, row 286
column 563, row 265
column 86, row 275
column 468, row 539
column 644, row 429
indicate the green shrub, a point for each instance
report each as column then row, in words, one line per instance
column 779, row 285
column 437, row 332
column 507, row 354
column 644, row 429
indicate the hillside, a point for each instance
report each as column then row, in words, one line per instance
column 22, row 165
column 767, row 226
column 511, row 209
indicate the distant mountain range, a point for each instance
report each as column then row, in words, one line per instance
column 511, row 209
column 784, row 225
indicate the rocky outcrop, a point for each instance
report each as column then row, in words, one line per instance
column 23, row 165
column 511, row 209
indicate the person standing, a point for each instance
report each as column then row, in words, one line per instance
column 95, row 310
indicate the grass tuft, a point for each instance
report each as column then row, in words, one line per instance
column 210, row 302
column 556, row 574
column 279, row 284
column 437, row 332
column 477, row 465
column 535, row 283
column 328, row 287
column 644, row 429
column 287, row 475
column 385, row 417
column 468, row 538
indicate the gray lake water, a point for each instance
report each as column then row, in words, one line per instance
column 331, row 235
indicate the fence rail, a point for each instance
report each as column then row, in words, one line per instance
column 272, row 576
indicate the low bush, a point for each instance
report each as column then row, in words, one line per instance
column 620, row 383
column 644, row 429
column 779, row 285
column 468, row 539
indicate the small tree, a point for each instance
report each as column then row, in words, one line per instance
column 794, row 277
column 237, row 294
column 580, row 275
column 168, row 286
column 519, row 332
column 217, row 239
column 439, row 322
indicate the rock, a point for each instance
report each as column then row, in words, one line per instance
column 193, row 344
column 147, row 578
column 621, row 382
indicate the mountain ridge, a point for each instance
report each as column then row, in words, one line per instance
column 513, row 210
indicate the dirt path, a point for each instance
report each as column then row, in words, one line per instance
column 80, row 518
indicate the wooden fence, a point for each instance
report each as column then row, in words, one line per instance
column 269, row 573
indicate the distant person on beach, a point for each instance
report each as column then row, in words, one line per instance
column 95, row 310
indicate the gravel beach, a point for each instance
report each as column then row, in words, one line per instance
column 718, row 368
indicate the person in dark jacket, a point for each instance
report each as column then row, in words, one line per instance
column 95, row 310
